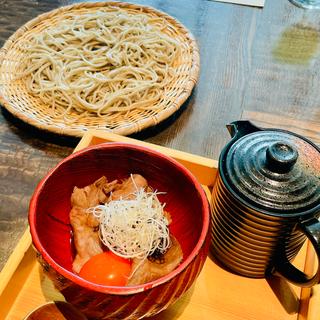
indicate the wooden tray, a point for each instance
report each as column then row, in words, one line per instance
column 217, row 294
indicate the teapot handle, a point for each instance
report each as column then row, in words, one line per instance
column 284, row 268
column 240, row 128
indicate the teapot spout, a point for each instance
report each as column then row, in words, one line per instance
column 240, row 128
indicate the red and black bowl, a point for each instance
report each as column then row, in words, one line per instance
column 52, row 235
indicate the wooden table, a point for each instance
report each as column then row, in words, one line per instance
column 256, row 64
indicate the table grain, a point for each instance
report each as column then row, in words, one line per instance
column 256, row 64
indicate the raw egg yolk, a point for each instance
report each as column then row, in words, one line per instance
column 107, row 269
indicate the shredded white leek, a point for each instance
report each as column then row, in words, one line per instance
column 134, row 228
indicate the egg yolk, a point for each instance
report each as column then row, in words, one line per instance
column 107, row 269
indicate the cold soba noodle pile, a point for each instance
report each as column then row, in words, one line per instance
column 112, row 60
column 121, row 234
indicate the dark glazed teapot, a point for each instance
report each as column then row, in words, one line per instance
column 265, row 202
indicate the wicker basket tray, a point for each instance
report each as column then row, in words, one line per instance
column 30, row 109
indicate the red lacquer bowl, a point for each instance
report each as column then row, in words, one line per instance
column 51, row 231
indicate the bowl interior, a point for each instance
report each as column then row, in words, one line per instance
column 49, row 216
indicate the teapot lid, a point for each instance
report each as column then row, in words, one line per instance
column 274, row 170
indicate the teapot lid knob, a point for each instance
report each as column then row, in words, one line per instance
column 281, row 157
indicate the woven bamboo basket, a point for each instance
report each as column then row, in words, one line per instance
column 15, row 97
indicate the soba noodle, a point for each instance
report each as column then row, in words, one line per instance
column 100, row 63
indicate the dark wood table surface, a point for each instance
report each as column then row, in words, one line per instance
column 256, row 64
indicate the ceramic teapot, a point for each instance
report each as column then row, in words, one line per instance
column 266, row 202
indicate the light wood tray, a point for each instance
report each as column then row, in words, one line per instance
column 217, row 294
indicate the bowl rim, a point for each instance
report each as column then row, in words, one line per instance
column 120, row 290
